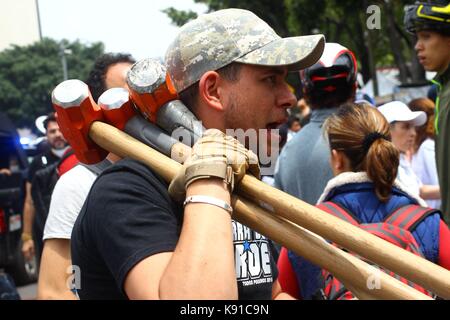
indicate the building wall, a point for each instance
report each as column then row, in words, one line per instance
column 18, row 23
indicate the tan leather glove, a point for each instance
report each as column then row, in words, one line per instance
column 215, row 155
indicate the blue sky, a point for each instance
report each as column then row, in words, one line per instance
column 134, row 26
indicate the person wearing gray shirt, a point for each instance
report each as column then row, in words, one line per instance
column 303, row 168
column 304, row 164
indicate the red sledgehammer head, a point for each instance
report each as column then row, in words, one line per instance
column 150, row 87
column 76, row 111
column 117, row 107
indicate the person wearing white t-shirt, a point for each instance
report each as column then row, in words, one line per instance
column 71, row 190
column 407, row 177
column 424, row 156
column 67, row 199
column 424, row 165
column 403, row 122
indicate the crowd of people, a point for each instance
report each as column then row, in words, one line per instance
column 117, row 230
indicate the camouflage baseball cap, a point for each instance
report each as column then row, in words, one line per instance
column 217, row 39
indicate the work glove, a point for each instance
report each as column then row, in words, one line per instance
column 215, row 155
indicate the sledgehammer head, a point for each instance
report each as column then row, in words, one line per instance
column 117, row 107
column 76, row 111
column 150, row 87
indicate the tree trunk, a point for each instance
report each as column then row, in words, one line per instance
column 372, row 66
column 395, row 42
column 362, row 50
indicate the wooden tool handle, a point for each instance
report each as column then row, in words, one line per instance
column 406, row 264
column 414, row 268
column 353, row 272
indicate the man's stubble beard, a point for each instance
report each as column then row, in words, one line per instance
column 58, row 145
column 233, row 117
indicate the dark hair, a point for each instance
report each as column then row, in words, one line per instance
column 426, row 130
column 305, row 120
column 97, row 76
column 51, row 117
column 348, row 131
column 321, row 99
column 291, row 120
column 189, row 95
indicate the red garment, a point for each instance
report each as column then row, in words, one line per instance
column 3, row 226
column 444, row 246
column 68, row 163
column 286, row 275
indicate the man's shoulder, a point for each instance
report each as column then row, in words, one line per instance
column 78, row 171
column 43, row 159
column 311, row 130
column 129, row 168
column 129, row 178
column 307, row 138
column 37, row 159
column 79, row 177
column 126, row 164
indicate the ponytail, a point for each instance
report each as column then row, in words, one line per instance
column 381, row 165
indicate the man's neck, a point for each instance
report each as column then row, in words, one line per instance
column 59, row 152
column 443, row 69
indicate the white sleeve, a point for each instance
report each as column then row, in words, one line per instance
column 67, row 200
column 429, row 159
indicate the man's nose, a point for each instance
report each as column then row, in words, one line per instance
column 59, row 134
column 418, row 46
column 287, row 99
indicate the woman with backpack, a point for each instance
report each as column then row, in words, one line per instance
column 365, row 192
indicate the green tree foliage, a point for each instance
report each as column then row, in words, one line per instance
column 28, row 74
column 179, row 17
column 343, row 21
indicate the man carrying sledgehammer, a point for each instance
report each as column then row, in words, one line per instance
column 131, row 240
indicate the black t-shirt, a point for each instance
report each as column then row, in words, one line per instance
column 39, row 162
column 129, row 216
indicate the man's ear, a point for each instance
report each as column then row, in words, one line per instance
column 209, row 91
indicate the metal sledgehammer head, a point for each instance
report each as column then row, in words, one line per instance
column 76, row 111
column 118, row 111
column 154, row 95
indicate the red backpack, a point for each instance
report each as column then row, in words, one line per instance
column 396, row 228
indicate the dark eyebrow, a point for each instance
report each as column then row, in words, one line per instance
column 275, row 70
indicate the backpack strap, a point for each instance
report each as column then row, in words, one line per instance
column 409, row 216
column 390, row 233
column 339, row 211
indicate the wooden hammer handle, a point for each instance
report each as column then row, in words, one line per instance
column 412, row 267
column 406, row 264
column 344, row 266
column 354, row 273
